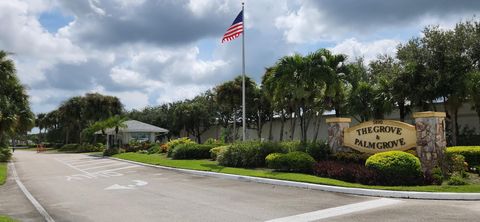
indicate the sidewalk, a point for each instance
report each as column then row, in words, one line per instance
column 14, row 204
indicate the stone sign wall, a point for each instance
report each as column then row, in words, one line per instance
column 428, row 136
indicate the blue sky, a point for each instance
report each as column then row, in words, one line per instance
column 148, row 52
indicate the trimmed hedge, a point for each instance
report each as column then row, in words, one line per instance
column 352, row 157
column 471, row 153
column 294, row 161
column 318, row 150
column 80, row 148
column 247, row 154
column 191, row 151
column 396, row 168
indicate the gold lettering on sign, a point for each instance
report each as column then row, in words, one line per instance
column 380, row 135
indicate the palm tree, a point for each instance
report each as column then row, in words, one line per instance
column 15, row 115
column 116, row 122
column 40, row 123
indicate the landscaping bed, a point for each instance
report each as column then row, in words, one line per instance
column 213, row 166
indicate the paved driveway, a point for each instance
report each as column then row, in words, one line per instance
column 77, row 187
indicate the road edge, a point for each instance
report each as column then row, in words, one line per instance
column 29, row 196
column 336, row 189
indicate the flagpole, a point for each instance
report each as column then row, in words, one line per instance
column 243, row 73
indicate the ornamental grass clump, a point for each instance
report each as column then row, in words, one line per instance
column 396, row 168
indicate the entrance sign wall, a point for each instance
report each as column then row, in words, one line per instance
column 380, row 135
column 428, row 136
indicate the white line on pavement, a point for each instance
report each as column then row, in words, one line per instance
column 71, row 166
column 83, row 160
column 121, row 168
column 337, row 211
column 92, row 164
column 30, row 197
column 108, row 165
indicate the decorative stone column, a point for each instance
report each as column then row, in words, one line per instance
column 431, row 139
column 335, row 133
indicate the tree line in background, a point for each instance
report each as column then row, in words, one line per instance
column 442, row 66
column 71, row 121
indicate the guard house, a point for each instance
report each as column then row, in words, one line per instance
column 134, row 130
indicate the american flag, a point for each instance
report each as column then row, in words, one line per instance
column 235, row 29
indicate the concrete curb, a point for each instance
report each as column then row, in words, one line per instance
column 336, row 189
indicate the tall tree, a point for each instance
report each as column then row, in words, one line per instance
column 15, row 114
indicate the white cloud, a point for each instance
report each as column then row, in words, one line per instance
column 368, row 50
column 304, row 25
column 151, row 52
column 34, row 48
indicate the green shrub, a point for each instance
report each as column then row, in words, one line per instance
column 100, row 146
column 69, row 147
column 456, row 180
column 80, row 148
column 142, row 152
column 110, row 152
column 212, row 141
column 247, row 154
column 175, row 142
column 214, row 152
column 5, row 154
column 455, row 163
column 471, row 153
column 318, row 150
column 290, row 146
column 396, row 168
column 154, row 149
column 191, row 151
column 294, row 161
column 436, row 176
column 276, row 161
column 134, row 146
column 352, row 157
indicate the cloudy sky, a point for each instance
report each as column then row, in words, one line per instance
column 148, row 52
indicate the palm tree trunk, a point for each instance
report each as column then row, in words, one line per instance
column 234, row 126
column 293, row 122
column 317, row 128
column 401, row 108
column 455, row 127
column 282, row 125
column 270, row 130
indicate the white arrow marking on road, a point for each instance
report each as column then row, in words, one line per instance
column 138, row 183
column 118, row 187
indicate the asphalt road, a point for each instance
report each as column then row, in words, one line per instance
column 77, row 187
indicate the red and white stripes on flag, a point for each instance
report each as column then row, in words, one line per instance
column 235, row 29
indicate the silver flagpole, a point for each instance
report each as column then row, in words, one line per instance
column 243, row 73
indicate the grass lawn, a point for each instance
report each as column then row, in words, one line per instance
column 208, row 165
column 3, row 173
column 6, row 219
